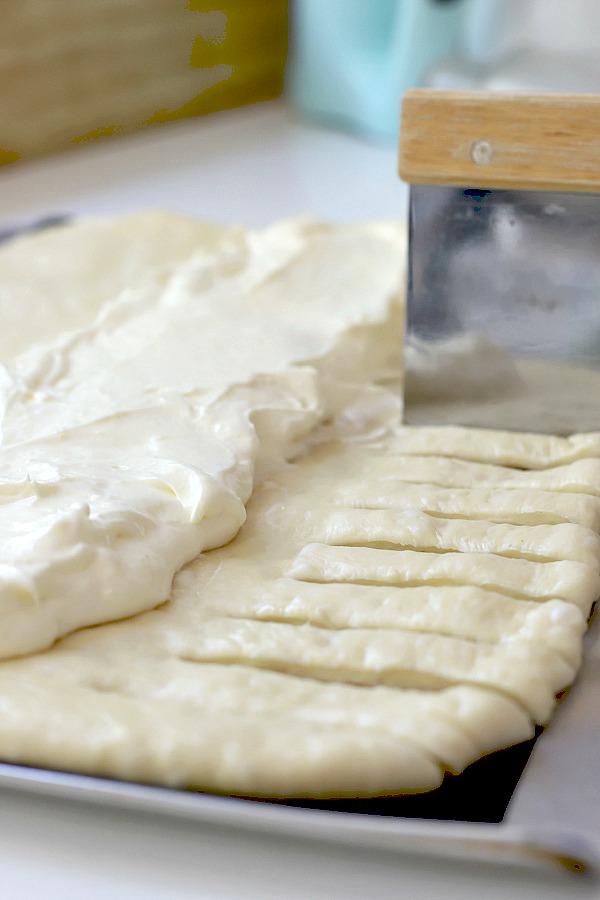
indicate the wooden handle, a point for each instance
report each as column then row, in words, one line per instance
column 496, row 140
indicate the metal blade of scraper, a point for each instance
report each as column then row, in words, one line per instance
column 503, row 302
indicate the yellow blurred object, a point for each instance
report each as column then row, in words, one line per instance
column 79, row 70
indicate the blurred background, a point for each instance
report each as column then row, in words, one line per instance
column 237, row 111
column 80, row 71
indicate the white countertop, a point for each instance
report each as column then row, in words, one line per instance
column 250, row 167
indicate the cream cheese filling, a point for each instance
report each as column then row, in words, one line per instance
column 131, row 442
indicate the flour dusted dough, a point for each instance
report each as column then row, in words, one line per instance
column 397, row 602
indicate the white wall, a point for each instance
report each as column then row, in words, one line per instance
column 495, row 26
column 565, row 24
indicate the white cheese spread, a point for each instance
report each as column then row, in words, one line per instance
column 131, row 441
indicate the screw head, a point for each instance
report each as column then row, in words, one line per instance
column 482, row 153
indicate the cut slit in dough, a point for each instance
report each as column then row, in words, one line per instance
column 519, row 578
column 416, row 530
column 512, row 449
column 580, row 477
column 527, row 506
column 529, row 673
column 456, row 611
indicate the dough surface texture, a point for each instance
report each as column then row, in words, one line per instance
column 291, row 594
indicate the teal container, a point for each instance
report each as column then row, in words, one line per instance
column 351, row 60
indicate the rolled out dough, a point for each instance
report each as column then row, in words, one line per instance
column 398, row 602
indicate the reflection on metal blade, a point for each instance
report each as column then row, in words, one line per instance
column 503, row 310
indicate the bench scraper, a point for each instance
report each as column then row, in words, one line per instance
column 503, row 305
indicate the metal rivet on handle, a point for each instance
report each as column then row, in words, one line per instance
column 482, row 152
